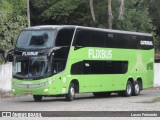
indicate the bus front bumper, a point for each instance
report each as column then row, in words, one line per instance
column 46, row 88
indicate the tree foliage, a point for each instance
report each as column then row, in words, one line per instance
column 138, row 15
column 13, row 19
column 136, row 18
column 60, row 12
column 154, row 9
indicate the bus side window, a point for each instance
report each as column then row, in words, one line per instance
column 87, row 67
column 64, row 37
column 109, row 69
column 82, row 38
column 109, row 41
column 59, row 59
column 77, row 68
column 58, row 65
column 97, row 67
column 137, row 42
column 97, row 39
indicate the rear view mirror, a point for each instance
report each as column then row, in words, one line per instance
column 10, row 57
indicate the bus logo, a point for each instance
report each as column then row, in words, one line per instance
column 102, row 54
column 29, row 53
column 142, row 42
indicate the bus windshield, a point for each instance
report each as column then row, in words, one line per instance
column 38, row 39
column 31, row 67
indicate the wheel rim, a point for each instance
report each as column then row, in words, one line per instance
column 137, row 88
column 129, row 89
column 72, row 92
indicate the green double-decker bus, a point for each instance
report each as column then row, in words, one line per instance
column 63, row 60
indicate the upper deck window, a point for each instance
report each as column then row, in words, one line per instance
column 105, row 39
column 64, row 37
column 36, row 39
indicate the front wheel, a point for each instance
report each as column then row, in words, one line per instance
column 136, row 89
column 71, row 93
column 37, row 97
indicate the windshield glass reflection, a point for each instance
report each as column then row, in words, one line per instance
column 31, row 67
column 36, row 39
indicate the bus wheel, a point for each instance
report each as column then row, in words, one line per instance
column 128, row 91
column 71, row 93
column 37, row 97
column 136, row 89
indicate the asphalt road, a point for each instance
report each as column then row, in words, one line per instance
column 148, row 100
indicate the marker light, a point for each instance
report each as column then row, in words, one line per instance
column 45, row 90
column 13, row 90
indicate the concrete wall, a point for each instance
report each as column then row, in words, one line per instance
column 6, row 75
column 157, row 75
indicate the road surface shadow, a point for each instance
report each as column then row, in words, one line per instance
column 80, row 97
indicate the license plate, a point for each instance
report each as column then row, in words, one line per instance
column 28, row 92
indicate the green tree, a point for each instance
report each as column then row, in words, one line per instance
column 136, row 18
column 154, row 9
column 13, row 19
column 60, row 12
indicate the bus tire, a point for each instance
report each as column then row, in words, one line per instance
column 128, row 91
column 136, row 89
column 71, row 93
column 37, row 97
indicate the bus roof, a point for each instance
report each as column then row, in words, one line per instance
column 84, row 27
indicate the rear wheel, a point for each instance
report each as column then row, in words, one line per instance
column 37, row 97
column 128, row 91
column 136, row 89
column 71, row 93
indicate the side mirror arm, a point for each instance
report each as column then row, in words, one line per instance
column 77, row 47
